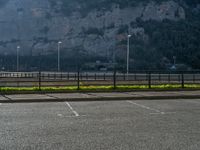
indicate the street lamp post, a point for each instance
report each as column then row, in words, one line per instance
column 18, row 47
column 59, row 43
column 128, row 49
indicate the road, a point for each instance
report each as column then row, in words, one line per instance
column 116, row 125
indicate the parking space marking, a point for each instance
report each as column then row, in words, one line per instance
column 59, row 115
column 72, row 116
column 162, row 113
column 157, row 112
column 145, row 107
column 72, row 109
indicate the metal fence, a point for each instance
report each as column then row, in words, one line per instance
column 63, row 79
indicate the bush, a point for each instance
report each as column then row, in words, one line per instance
column 96, row 31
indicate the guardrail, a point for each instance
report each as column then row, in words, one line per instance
column 62, row 79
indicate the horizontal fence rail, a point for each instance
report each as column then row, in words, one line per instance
column 63, row 79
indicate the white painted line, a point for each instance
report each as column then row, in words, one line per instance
column 145, row 107
column 59, row 115
column 71, row 108
column 74, row 116
column 157, row 112
column 0, row 104
column 162, row 113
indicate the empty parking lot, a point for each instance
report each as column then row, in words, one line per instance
column 113, row 125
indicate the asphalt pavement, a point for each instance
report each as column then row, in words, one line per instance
column 99, row 96
column 101, row 125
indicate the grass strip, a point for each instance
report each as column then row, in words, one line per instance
column 97, row 88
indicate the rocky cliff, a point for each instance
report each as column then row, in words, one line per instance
column 37, row 25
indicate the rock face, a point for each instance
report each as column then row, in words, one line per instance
column 36, row 27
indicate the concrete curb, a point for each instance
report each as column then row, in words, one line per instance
column 98, row 91
column 102, row 99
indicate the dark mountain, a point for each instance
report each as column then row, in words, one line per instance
column 162, row 31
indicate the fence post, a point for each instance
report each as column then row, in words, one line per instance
column 149, row 80
column 39, row 77
column 78, row 80
column 182, row 81
column 114, row 79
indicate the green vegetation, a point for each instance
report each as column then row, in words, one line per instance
column 97, row 88
column 123, row 29
column 167, row 39
column 96, row 31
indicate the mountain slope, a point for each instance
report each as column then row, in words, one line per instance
column 160, row 29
